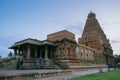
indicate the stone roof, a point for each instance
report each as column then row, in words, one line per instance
column 60, row 35
column 48, row 42
column 34, row 42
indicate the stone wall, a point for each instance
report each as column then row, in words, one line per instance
column 9, row 63
column 60, row 35
column 89, row 56
column 65, row 53
column 65, row 50
column 84, row 54
column 91, row 41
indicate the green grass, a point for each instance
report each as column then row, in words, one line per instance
column 111, row 75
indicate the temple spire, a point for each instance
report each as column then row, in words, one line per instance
column 92, row 26
column 93, row 35
column 91, row 15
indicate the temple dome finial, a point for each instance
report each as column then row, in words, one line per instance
column 91, row 15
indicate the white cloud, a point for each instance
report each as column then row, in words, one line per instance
column 110, row 22
column 116, row 48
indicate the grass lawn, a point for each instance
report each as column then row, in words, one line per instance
column 110, row 75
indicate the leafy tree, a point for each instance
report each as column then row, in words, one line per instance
column 117, row 58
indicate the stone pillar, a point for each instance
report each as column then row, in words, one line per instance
column 83, row 55
column 19, row 52
column 35, row 53
column 40, row 53
column 66, row 53
column 28, row 52
column 15, row 52
column 51, row 53
column 24, row 53
column 46, row 52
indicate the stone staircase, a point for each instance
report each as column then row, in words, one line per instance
column 50, row 64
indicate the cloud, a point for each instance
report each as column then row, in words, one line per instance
column 3, row 48
column 115, row 41
column 116, row 47
column 77, row 29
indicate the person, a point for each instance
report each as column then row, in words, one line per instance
column 18, row 63
column 39, row 62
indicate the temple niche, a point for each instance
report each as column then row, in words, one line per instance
column 61, row 51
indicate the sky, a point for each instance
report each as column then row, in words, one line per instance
column 21, row 19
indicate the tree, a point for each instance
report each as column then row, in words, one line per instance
column 10, row 54
column 117, row 58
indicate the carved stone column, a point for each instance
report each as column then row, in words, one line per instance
column 15, row 52
column 51, row 53
column 24, row 53
column 47, row 62
column 40, row 53
column 28, row 52
column 36, row 53
column 66, row 52
column 19, row 52
column 46, row 52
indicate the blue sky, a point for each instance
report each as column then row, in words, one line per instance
column 21, row 19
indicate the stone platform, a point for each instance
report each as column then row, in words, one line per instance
column 78, row 74
column 43, row 73
column 46, row 74
column 31, row 74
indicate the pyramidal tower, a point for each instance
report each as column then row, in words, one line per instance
column 94, row 37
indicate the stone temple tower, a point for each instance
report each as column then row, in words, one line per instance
column 94, row 37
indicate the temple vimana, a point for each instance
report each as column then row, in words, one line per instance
column 61, row 51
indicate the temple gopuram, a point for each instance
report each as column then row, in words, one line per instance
column 61, row 51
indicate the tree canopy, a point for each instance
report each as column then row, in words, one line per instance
column 117, row 58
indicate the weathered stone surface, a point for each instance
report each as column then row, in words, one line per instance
column 94, row 37
column 31, row 74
